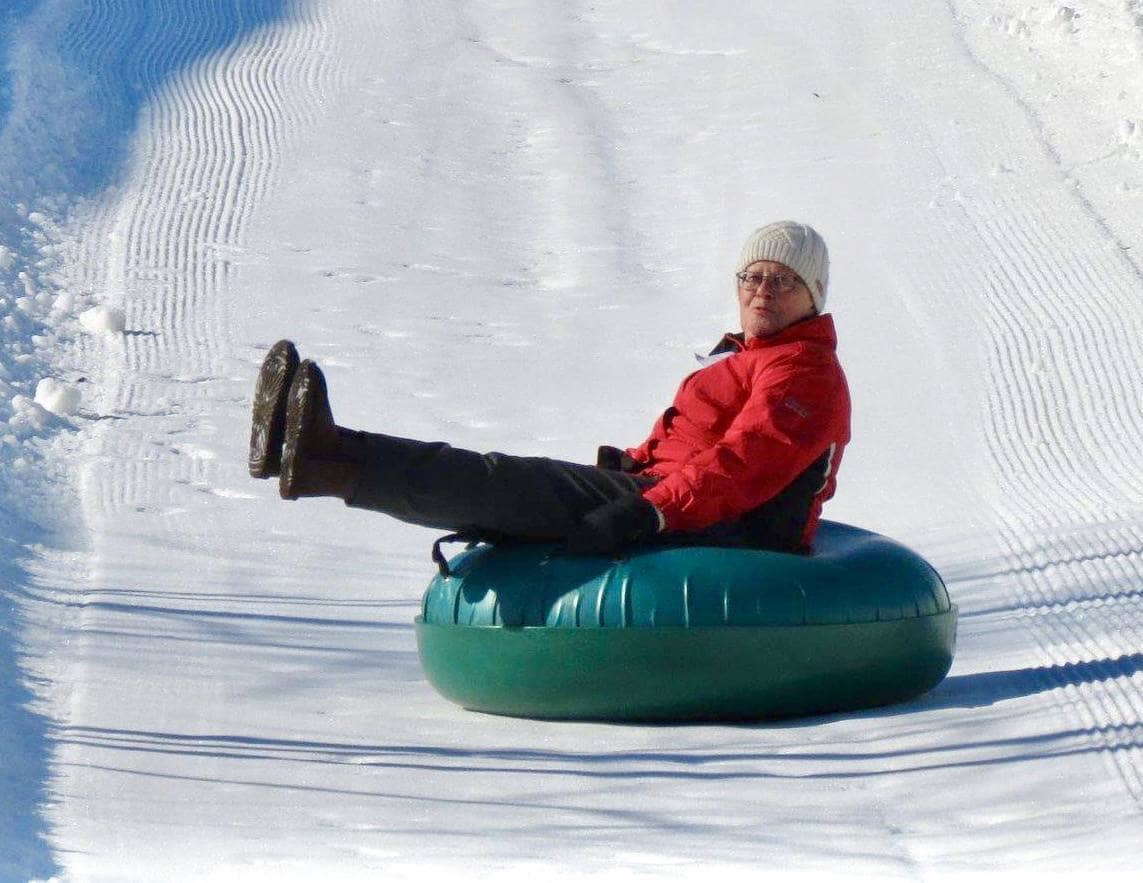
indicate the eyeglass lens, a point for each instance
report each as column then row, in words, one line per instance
column 781, row 282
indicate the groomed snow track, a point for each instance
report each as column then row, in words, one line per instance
column 509, row 228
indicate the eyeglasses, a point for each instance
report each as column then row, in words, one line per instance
column 782, row 283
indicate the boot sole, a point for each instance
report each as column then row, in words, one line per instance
column 268, row 421
column 299, row 417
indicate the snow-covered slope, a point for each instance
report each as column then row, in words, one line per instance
column 510, row 226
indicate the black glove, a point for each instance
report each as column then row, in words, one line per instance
column 616, row 459
column 612, row 525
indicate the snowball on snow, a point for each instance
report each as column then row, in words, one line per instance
column 103, row 320
column 28, row 415
column 57, row 397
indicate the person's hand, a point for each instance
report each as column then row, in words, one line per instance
column 614, row 525
column 617, row 459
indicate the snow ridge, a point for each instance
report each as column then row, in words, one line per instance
column 155, row 244
column 202, row 160
column 1065, row 375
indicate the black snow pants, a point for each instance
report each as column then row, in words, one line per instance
column 488, row 496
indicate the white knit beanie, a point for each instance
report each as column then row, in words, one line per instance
column 799, row 246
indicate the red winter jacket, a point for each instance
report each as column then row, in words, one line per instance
column 757, row 434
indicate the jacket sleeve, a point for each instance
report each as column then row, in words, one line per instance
column 790, row 418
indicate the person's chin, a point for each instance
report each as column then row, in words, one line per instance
column 759, row 329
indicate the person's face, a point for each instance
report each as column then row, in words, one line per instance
column 774, row 305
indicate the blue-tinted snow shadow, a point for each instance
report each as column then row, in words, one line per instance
column 74, row 78
column 987, row 688
column 24, row 736
column 11, row 12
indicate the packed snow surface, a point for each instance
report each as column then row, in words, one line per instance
column 509, row 226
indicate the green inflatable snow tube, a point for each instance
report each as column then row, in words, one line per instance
column 687, row 633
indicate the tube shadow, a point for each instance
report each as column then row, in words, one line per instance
column 987, row 688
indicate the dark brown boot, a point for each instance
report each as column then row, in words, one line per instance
column 319, row 458
column 268, row 424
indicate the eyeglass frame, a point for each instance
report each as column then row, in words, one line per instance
column 765, row 280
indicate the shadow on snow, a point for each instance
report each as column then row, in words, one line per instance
column 74, row 78
column 990, row 687
column 24, row 737
column 965, row 691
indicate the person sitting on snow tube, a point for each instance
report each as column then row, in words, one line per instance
column 744, row 456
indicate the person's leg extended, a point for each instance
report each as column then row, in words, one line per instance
column 432, row 483
column 437, row 485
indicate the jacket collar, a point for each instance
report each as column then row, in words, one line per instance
column 816, row 329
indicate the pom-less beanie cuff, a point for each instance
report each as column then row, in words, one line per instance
column 799, row 246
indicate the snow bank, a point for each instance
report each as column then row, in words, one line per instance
column 29, row 416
